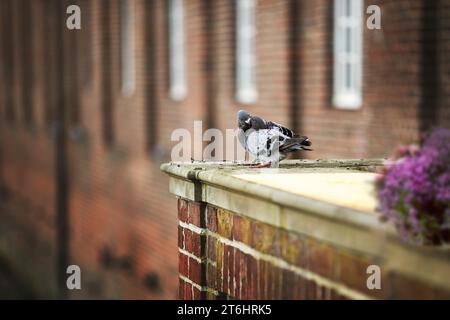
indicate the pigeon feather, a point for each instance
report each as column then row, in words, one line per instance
column 268, row 141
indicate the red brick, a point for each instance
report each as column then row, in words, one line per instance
column 198, row 295
column 188, row 240
column 334, row 295
column 181, row 289
column 196, row 214
column 211, row 214
column 353, row 273
column 277, row 276
column 253, row 276
column 263, row 281
column 321, row 259
column 226, row 267
column 197, row 246
column 265, row 238
column 405, row 287
column 241, row 229
column 197, row 272
column 273, row 284
column 180, row 238
column 323, row 293
column 183, row 206
column 211, row 276
column 244, row 275
column 231, row 268
column 187, row 291
column 183, row 265
column 237, row 274
column 212, row 248
column 270, row 282
column 224, row 223
column 300, row 291
column 220, row 265
column 311, row 290
column 293, row 249
column 289, row 285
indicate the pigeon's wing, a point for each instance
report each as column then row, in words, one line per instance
column 258, row 123
column 295, row 143
column 257, row 143
column 241, row 138
column 289, row 141
column 283, row 130
column 265, row 143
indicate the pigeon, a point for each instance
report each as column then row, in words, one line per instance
column 267, row 141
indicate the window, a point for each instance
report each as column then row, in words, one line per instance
column 347, row 54
column 107, row 102
column 245, row 51
column 178, row 88
column 27, row 63
column 127, row 46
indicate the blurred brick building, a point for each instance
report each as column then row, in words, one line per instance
column 87, row 115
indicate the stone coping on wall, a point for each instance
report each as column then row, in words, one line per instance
column 330, row 200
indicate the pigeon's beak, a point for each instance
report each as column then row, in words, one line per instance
column 248, row 121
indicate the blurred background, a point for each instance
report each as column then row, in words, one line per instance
column 87, row 115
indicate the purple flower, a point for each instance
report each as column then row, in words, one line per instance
column 414, row 190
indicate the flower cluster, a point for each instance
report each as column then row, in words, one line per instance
column 414, row 190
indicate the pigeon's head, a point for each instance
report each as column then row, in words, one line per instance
column 244, row 120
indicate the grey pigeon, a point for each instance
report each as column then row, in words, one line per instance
column 267, row 141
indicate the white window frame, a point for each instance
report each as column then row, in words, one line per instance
column 348, row 46
column 127, row 47
column 177, row 64
column 246, row 90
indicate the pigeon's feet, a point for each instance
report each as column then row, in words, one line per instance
column 261, row 165
column 247, row 164
column 251, row 164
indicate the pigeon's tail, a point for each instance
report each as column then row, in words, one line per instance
column 296, row 143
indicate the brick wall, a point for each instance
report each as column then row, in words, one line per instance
column 224, row 255
column 120, row 222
